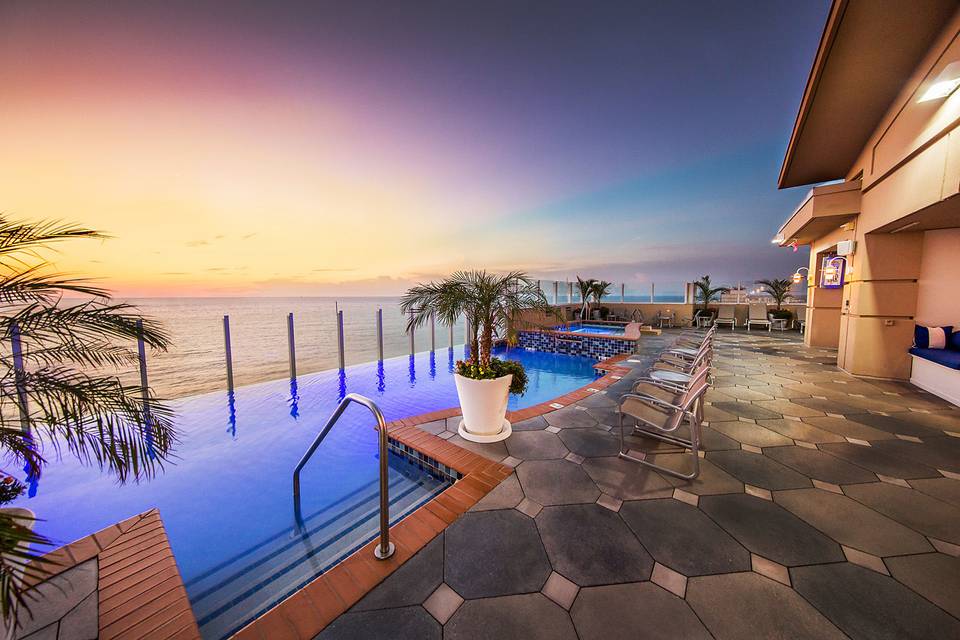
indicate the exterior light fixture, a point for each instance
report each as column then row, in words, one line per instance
column 777, row 240
column 945, row 84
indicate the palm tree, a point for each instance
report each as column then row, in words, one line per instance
column 778, row 289
column 586, row 290
column 600, row 289
column 706, row 292
column 56, row 391
column 491, row 303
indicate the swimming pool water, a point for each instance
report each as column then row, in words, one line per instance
column 226, row 501
column 596, row 329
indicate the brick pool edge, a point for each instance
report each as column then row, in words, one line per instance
column 304, row 614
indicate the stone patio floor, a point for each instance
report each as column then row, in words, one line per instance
column 827, row 507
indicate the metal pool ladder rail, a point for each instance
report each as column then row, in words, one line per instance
column 385, row 549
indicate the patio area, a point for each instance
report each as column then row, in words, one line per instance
column 827, row 506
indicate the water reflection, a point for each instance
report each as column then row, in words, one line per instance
column 450, row 360
column 433, row 365
column 341, row 385
column 231, row 415
column 413, row 371
column 381, row 379
column 32, row 480
column 294, row 399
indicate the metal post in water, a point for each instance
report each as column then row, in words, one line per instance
column 142, row 356
column 411, row 331
column 228, row 350
column 380, row 333
column 293, row 348
column 340, row 338
column 433, row 333
column 450, row 334
column 19, row 375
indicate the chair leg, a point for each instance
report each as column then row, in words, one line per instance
column 693, row 444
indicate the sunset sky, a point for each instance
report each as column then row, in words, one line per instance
column 334, row 148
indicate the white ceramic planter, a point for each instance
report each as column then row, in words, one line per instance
column 484, row 407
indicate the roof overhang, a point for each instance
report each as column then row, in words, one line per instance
column 867, row 52
column 822, row 211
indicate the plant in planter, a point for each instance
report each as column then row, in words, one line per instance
column 779, row 290
column 492, row 305
column 600, row 289
column 707, row 293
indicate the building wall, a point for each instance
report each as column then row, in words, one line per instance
column 938, row 297
column 912, row 161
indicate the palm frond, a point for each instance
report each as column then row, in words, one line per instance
column 18, row 561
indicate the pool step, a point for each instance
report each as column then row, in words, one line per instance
column 237, row 591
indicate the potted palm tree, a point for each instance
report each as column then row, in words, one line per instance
column 707, row 293
column 586, row 291
column 57, row 388
column 600, row 289
column 492, row 305
column 779, row 290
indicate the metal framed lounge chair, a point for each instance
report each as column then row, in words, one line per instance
column 727, row 315
column 637, row 316
column 758, row 315
column 703, row 318
column 659, row 419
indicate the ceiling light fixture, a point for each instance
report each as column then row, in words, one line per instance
column 945, row 84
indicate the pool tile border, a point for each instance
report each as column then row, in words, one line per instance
column 305, row 614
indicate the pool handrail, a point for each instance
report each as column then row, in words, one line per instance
column 386, row 548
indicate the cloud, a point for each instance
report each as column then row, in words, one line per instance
column 197, row 243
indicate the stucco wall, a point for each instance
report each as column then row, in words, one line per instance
column 938, row 298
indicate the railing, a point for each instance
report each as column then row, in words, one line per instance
column 386, row 548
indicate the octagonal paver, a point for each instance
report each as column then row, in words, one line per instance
column 946, row 489
column 770, row 530
column 505, row 495
column 800, row 431
column 531, row 424
column 897, row 423
column 636, row 610
column 683, row 538
column 746, row 410
column 383, row 624
column 758, row 470
column 590, row 443
column 734, row 606
column 411, row 583
column 848, row 428
column 852, row 524
column 536, row 445
column 591, row 545
column 627, row 480
column 552, row 482
column 870, row 606
column 936, row 452
column 814, row 463
column 492, row 553
column 530, row 616
column 933, row 575
column 712, row 479
column 917, row 510
column 750, row 433
column 875, row 460
column 570, row 418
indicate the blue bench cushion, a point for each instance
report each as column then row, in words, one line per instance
column 931, row 337
column 946, row 357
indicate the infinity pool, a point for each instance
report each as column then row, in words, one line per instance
column 227, row 500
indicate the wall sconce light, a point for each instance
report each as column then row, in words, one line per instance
column 945, row 84
column 797, row 276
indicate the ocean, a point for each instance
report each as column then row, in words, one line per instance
column 196, row 363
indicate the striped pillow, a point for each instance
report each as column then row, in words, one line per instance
column 931, row 337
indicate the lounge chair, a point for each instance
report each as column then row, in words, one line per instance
column 727, row 316
column 758, row 315
column 703, row 318
column 659, row 419
column 637, row 316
